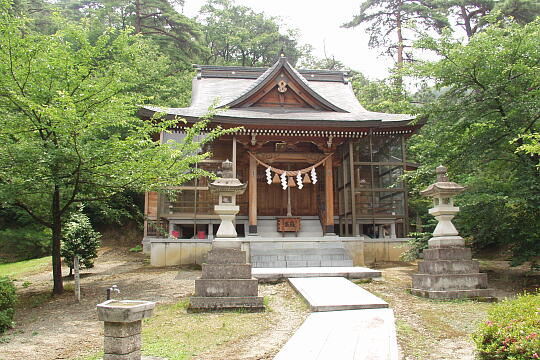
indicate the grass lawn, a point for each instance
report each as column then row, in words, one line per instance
column 25, row 267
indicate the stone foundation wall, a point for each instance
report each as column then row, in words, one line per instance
column 363, row 252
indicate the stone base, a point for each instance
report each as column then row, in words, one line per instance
column 448, row 272
column 446, row 241
column 226, row 283
column 474, row 294
column 250, row 303
column 226, row 287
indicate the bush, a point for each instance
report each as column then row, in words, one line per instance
column 80, row 240
column 416, row 244
column 7, row 303
column 512, row 330
column 25, row 243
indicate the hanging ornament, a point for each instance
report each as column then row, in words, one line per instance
column 299, row 180
column 307, row 180
column 283, row 180
column 313, row 175
column 268, row 176
column 276, row 180
column 291, row 182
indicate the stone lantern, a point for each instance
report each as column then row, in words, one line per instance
column 447, row 271
column 227, row 187
column 443, row 192
column 226, row 281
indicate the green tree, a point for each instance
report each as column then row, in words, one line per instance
column 236, row 35
column 400, row 17
column 69, row 133
column 470, row 15
column 80, row 240
column 482, row 126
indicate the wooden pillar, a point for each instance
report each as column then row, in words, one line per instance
column 234, row 156
column 329, row 195
column 252, row 201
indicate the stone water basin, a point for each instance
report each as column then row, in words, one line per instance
column 125, row 310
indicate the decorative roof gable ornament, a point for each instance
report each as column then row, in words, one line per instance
column 282, row 86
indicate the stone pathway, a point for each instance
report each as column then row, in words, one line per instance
column 366, row 334
column 335, row 293
column 349, row 272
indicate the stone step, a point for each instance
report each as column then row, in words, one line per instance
column 226, row 287
column 238, row 302
column 299, row 251
column 349, row 272
column 482, row 294
column 226, row 256
column 334, row 294
column 256, row 246
column 261, row 258
column 457, row 253
column 302, row 263
column 449, row 267
column 449, row 281
column 226, row 271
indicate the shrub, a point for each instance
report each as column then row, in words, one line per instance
column 7, row 303
column 80, row 240
column 415, row 245
column 512, row 330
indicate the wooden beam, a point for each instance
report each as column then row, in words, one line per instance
column 252, row 195
column 329, row 195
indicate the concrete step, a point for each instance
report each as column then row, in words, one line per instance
column 302, row 263
column 349, row 272
column 334, row 294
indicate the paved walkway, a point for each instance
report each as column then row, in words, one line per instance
column 349, row 272
column 335, row 293
column 367, row 334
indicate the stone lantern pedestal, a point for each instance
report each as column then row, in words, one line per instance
column 447, row 271
column 226, row 281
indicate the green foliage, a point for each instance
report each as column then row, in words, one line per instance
column 80, row 240
column 512, row 330
column 404, row 18
column 480, row 126
column 8, row 298
column 23, row 243
column 416, row 244
column 25, row 267
column 70, row 133
column 237, row 35
column 382, row 95
column 137, row 248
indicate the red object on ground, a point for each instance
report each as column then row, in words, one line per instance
column 201, row 234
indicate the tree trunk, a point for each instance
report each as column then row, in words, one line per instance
column 466, row 21
column 138, row 17
column 400, row 46
column 58, row 285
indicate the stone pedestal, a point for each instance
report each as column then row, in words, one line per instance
column 448, row 272
column 122, row 327
column 226, row 283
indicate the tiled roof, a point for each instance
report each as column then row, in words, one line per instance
column 219, row 86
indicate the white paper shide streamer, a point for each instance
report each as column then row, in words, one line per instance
column 283, row 177
column 299, row 180
column 313, row 175
column 268, row 176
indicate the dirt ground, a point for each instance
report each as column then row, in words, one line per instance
column 58, row 328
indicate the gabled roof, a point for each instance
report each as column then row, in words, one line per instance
column 270, row 77
column 230, row 88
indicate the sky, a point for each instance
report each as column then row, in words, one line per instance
column 319, row 25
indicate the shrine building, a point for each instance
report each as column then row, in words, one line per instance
column 320, row 168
